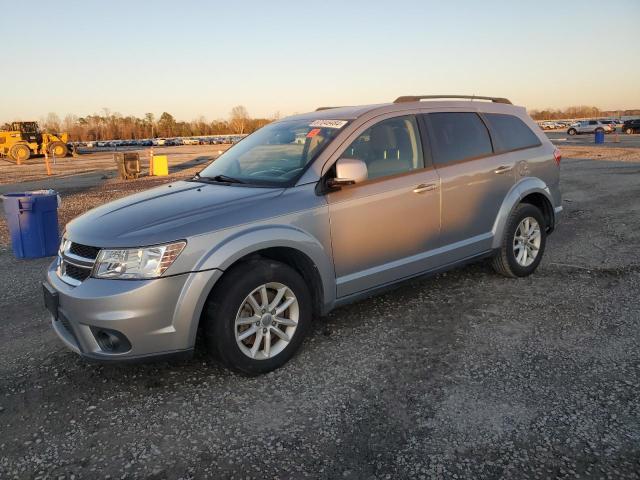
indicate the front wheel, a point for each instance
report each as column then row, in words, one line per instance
column 572, row 131
column 258, row 316
column 629, row 131
column 58, row 149
column 523, row 242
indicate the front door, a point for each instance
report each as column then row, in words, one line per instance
column 383, row 228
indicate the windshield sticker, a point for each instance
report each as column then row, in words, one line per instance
column 328, row 123
column 313, row 133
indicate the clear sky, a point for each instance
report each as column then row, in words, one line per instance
column 195, row 58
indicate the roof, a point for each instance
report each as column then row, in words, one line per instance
column 338, row 113
column 401, row 103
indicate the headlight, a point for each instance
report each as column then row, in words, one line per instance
column 148, row 262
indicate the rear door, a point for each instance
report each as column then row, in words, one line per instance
column 474, row 181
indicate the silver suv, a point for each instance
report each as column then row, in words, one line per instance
column 308, row 213
column 589, row 126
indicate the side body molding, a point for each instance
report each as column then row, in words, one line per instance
column 520, row 190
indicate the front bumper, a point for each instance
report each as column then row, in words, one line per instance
column 158, row 318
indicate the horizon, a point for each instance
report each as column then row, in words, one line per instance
column 203, row 59
column 276, row 115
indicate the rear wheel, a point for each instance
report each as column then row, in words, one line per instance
column 523, row 242
column 57, row 149
column 258, row 316
column 572, row 131
column 20, row 152
column 629, row 131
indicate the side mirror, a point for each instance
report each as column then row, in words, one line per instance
column 348, row 172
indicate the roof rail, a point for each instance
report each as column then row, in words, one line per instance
column 325, row 108
column 417, row 98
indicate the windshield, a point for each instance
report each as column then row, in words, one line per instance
column 276, row 154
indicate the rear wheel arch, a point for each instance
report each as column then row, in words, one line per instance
column 530, row 190
column 539, row 200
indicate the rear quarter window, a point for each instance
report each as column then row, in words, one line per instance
column 457, row 136
column 510, row 133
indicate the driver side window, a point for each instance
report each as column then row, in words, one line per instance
column 389, row 147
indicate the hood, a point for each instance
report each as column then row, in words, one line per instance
column 171, row 212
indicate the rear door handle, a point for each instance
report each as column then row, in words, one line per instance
column 503, row 169
column 425, row 187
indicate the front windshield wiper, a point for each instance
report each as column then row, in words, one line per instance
column 217, row 179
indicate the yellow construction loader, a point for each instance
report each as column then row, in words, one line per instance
column 25, row 139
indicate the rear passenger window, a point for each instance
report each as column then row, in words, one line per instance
column 510, row 132
column 457, row 136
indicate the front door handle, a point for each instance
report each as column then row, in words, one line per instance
column 425, row 187
column 503, row 169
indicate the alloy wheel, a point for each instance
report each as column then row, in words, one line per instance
column 267, row 321
column 526, row 241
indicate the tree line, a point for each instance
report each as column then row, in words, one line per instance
column 581, row 111
column 114, row 126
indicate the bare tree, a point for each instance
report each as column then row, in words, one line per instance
column 114, row 126
column 238, row 119
column 52, row 123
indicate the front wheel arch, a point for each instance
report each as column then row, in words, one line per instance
column 220, row 333
column 291, row 257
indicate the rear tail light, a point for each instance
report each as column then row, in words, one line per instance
column 557, row 156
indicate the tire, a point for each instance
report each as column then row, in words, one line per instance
column 505, row 261
column 629, row 131
column 230, row 301
column 20, row 152
column 572, row 131
column 59, row 149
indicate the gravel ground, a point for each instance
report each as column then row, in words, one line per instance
column 463, row 375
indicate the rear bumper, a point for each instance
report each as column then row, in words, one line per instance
column 158, row 318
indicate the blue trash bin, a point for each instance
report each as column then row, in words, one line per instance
column 599, row 136
column 32, row 218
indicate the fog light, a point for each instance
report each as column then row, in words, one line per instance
column 111, row 341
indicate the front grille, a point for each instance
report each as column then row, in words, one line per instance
column 84, row 251
column 75, row 262
column 75, row 272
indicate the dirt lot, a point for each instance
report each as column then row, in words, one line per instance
column 618, row 139
column 464, row 375
column 101, row 163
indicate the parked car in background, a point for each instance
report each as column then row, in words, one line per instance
column 275, row 232
column 190, row 141
column 631, row 126
column 588, row 126
column 611, row 123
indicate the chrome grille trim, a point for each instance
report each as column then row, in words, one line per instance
column 65, row 257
